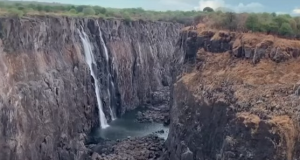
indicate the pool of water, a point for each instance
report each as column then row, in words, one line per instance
column 127, row 126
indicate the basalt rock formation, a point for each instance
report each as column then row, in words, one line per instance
column 47, row 97
column 141, row 148
column 237, row 98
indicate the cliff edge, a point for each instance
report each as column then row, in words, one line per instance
column 237, row 98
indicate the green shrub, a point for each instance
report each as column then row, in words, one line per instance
column 16, row 12
column 127, row 18
column 272, row 27
column 286, row 29
column 99, row 10
column 102, row 15
column 252, row 23
column 80, row 8
column 80, row 14
column 88, row 11
column 281, row 19
column 221, row 18
column 73, row 11
column 229, row 21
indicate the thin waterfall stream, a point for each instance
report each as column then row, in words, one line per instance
column 90, row 60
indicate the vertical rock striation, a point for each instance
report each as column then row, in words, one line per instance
column 140, row 57
column 47, row 97
column 238, row 100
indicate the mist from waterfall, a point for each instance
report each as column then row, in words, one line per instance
column 90, row 60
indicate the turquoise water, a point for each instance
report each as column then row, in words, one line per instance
column 127, row 126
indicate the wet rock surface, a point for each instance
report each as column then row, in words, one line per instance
column 145, row 148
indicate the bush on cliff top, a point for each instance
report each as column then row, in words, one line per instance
column 88, row 11
column 270, row 23
column 286, row 29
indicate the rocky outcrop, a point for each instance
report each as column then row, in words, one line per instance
column 142, row 148
column 249, row 46
column 238, row 100
column 47, row 97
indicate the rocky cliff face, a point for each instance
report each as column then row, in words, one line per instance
column 47, row 97
column 237, row 99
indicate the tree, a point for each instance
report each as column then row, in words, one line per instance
column 280, row 19
column 80, row 8
column 208, row 9
column 286, row 29
column 241, row 21
column 47, row 8
column 271, row 27
column 293, row 24
column 264, row 17
column 88, row 11
column 18, row 4
column 297, row 20
column 252, row 22
column 39, row 7
column 230, row 21
column 198, row 18
column 33, row 6
column 73, row 11
column 99, row 10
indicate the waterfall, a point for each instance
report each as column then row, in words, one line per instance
column 90, row 60
column 109, row 77
column 113, row 114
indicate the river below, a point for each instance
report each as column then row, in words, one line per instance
column 127, row 126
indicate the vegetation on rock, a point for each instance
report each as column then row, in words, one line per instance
column 88, row 11
column 283, row 25
column 269, row 23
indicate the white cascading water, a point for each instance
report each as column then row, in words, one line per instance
column 112, row 114
column 90, row 60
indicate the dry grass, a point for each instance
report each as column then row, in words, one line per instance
column 282, row 125
column 266, row 77
column 288, row 131
column 268, row 87
column 250, row 120
column 249, row 39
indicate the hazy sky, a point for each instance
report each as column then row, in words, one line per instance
column 279, row 6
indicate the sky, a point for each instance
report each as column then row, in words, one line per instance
column 277, row 6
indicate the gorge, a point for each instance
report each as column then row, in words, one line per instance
column 227, row 95
column 60, row 73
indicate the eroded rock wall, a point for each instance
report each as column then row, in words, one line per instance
column 232, row 104
column 141, row 54
column 47, row 97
